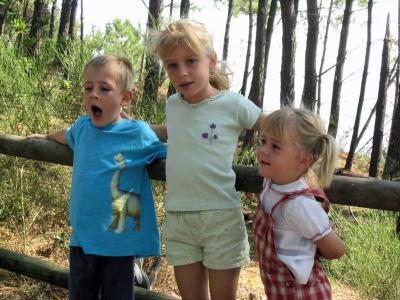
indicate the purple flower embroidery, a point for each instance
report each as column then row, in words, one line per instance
column 212, row 136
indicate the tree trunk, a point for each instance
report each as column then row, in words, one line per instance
column 64, row 19
column 268, row 38
column 52, row 19
column 258, row 66
column 288, row 10
column 185, row 8
column 35, row 34
column 25, row 11
column 308, row 98
column 352, row 149
column 227, row 29
column 337, row 82
column 392, row 163
column 152, row 79
column 248, row 51
column 321, row 66
column 4, row 8
column 72, row 19
column 82, row 23
column 381, row 105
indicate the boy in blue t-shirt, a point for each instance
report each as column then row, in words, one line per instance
column 111, row 203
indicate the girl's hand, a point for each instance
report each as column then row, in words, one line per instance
column 124, row 115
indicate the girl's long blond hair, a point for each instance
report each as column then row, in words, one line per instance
column 194, row 37
column 307, row 131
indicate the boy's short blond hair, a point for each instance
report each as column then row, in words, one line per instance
column 120, row 67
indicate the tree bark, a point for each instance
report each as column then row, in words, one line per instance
column 72, row 19
column 321, row 66
column 248, row 51
column 289, row 16
column 380, row 106
column 63, row 26
column 337, row 82
column 258, row 66
column 37, row 25
column 152, row 68
column 392, row 162
column 308, row 98
column 4, row 8
column 184, row 9
column 227, row 30
column 268, row 39
column 354, row 136
column 52, row 19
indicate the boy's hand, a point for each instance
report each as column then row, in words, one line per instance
column 36, row 136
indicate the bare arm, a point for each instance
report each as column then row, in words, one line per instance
column 257, row 124
column 57, row 136
column 161, row 131
column 330, row 246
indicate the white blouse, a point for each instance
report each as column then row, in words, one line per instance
column 298, row 223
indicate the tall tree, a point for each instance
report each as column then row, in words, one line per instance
column 72, row 19
column 248, row 51
column 227, row 29
column 52, row 18
column 354, row 136
column 64, row 19
column 381, row 105
column 185, row 8
column 321, row 66
column 308, row 98
column 289, row 16
column 25, row 11
column 4, row 9
column 82, row 23
column 152, row 67
column 268, row 39
column 258, row 66
column 337, row 82
column 392, row 162
column 38, row 22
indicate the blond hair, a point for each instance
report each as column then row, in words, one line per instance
column 120, row 67
column 307, row 131
column 195, row 38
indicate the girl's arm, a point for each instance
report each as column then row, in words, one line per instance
column 161, row 131
column 257, row 124
column 330, row 246
column 57, row 136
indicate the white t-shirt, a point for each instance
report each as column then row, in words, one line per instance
column 298, row 223
column 202, row 139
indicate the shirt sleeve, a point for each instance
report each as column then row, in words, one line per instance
column 248, row 112
column 74, row 130
column 305, row 216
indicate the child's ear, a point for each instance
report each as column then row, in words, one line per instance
column 127, row 97
column 213, row 60
column 306, row 159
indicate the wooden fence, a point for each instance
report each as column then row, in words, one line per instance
column 362, row 192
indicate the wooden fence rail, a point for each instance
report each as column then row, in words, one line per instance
column 353, row 191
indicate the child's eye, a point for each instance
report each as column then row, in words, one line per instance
column 191, row 61
column 275, row 146
column 87, row 88
column 171, row 66
column 261, row 142
column 105, row 89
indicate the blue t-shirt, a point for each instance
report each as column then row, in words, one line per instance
column 110, row 163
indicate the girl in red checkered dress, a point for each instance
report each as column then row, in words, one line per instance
column 297, row 158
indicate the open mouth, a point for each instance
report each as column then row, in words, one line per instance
column 96, row 111
column 185, row 84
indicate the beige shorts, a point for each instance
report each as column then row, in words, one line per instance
column 218, row 238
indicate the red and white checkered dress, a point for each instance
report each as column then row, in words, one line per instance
column 279, row 283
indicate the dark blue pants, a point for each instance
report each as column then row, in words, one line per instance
column 94, row 277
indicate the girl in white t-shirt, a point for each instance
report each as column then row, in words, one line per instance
column 204, row 230
column 296, row 157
